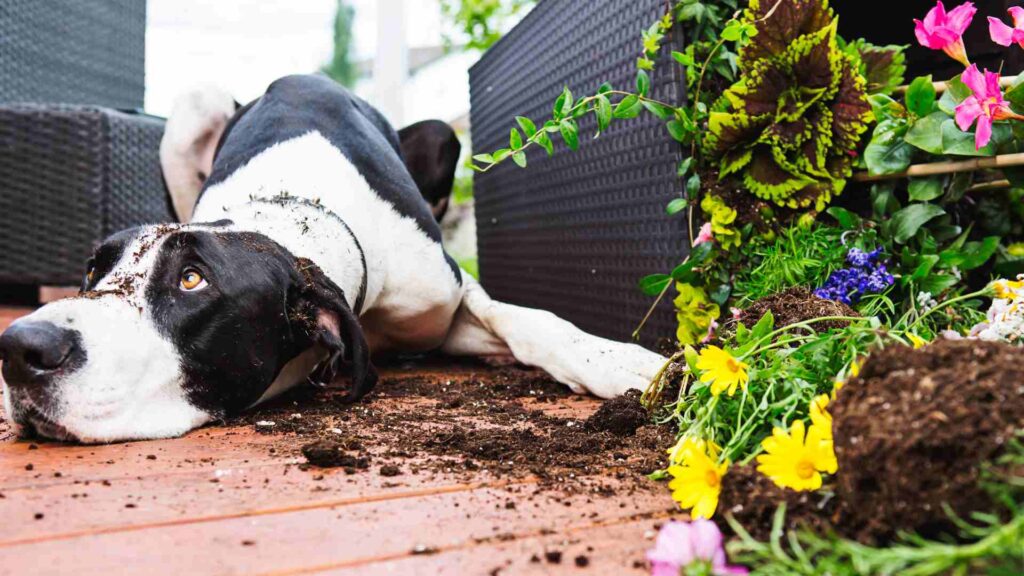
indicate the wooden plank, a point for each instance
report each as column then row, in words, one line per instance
column 347, row 535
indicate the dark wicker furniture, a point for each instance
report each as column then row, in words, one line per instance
column 73, row 52
column 574, row 233
column 70, row 176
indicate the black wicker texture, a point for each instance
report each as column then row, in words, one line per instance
column 69, row 177
column 73, row 52
column 574, row 233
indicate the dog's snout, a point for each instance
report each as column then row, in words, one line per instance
column 37, row 347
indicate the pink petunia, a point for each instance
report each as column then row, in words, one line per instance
column 681, row 544
column 985, row 105
column 1005, row 35
column 942, row 31
column 704, row 235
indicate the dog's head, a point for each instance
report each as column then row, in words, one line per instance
column 176, row 326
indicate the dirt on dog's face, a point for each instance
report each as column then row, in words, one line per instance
column 175, row 326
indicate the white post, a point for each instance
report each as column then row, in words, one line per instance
column 391, row 66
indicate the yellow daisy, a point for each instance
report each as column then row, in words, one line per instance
column 916, row 340
column 697, row 477
column 796, row 459
column 721, row 370
column 820, row 417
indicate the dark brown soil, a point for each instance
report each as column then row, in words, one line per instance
column 499, row 420
column 752, row 499
column 914, row 429
column 795, row 305
column 621, row 416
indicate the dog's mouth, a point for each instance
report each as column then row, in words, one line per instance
column 35, row 423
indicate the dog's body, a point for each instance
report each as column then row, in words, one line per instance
column 311, row 247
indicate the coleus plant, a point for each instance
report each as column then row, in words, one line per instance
column 791, row 125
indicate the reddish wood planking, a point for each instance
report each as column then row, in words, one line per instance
column 224, row 500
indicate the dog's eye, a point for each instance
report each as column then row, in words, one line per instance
column 192, row 280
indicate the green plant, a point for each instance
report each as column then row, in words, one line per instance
column 801, row 255
column 482, row 21
column 340, row 68
column 791, row 125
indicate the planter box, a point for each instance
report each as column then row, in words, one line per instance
column 573, row 234
column 79, row 52
column 69, row 177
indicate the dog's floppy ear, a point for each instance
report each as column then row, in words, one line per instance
column 320, row 309
column 431, row 153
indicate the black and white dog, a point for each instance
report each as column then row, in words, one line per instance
column 310, row 249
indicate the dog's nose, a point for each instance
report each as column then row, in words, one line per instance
column 36, row 347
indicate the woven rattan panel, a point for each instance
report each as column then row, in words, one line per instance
column 574, row 233
column 70, row 176
column 73, row 52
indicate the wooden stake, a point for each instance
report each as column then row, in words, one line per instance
column 936, row 168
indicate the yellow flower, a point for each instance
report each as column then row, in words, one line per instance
column 916, row 340
column 697, row 476
column 721, row 370
column 695, row 312
column 820, row 418
column 1016, row 249
column 1007, row 289
column 796, row 459
column 851, row 372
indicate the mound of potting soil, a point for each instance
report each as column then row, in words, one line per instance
column 752, row 499
column 912, row 433
column 621, row 415
column 795, row 305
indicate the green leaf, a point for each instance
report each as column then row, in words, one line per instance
column 920, row 96
column 693, row 186
column 515, row 139
column 520, row 159
column 925, row 189
column 926, row 133
column 684, row 272
column 906, row 222
column 956, row 92
column 1015, row 94
column 928, row 261
column 683, row 59
column 684, row 167
column 972, row 255
column 500, row 155
column 660, row 110
column 847, row 220
column 677, row 130
column 654, row 284
column 763, row 327
column 544, row 141
column 529, row 128
column 720, row 294
column 628, row 107
column 570, row 133
column 603, row 110
column 563, row 104
column 937, row 283
column 643, row 83
column 885, row 108
column 883, row 200
column 485, row 158
column 888, row 153
column 962, row 143
column 677, row 205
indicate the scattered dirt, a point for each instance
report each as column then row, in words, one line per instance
column 509, row 421
column 796, row 305
column 913, row 430
column 621, row 416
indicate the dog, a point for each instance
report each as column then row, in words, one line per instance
column 311, row 248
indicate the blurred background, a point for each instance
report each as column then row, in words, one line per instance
column 409, row 58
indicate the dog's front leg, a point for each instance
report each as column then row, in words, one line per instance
column 585, row 363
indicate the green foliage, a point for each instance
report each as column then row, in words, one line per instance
column 482, row 21
column 792, row 123
column 799, row 256
column 987, row 544
column 695, row 312
column 882, row 67
column 340, row 68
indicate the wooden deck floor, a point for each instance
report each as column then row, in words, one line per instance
column 222, row 501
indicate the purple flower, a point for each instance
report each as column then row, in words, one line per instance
column 681, row 544
column 866, row 274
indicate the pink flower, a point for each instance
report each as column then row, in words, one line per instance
column 986, row 105
column 681, row 544
column 711, row 332
column 704, row 235
column 1003, row 34
column 942, row 31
